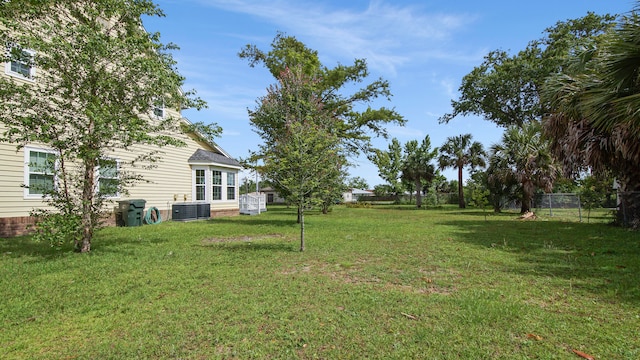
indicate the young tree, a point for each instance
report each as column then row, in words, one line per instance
column 98, row 76
column 389, row 164
column 302, row 154
column 459, row 152
column 593, row 192
column 479, row 193
column 383, row 190
column 331, row 193
column 417, row 167
column 354, row 128
column 358, row 182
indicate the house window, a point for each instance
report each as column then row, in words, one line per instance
column 21, row 63
column 158, row 109
column 201, row 185
column 231, row 186
column 39, row 172
column 108, row 177
column 216, row 180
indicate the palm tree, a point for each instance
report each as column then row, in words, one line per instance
column 594, row 121
column 389, row 165
column 459, row 152
column 523, row 157
column 417, row 165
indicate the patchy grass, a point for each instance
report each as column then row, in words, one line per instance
column 381, row 282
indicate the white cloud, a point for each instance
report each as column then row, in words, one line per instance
column 386, row 34
column 231, row 133
column 404, row 132
column 450, row 88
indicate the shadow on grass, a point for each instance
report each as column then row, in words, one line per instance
column 596, row 258
column 270, row 220
column 25, row 246
column 105, row 239
column 404, row 207
column 250, row 246
column 123, row 239
column 253, row 220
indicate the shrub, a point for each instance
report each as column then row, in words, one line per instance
column 56, row 228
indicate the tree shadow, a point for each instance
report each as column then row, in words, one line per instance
column 253, row 220
column 596, row 258
column 25, row 246
column 251, row 246
column 125, row 240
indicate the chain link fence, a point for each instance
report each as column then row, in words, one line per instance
column 559, row 205
column 613, row 207
column 620, row 207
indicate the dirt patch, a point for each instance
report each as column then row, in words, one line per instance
column 242, row 238
column 351, row 274
column 528, row 216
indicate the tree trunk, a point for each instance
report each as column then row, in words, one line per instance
column 527, row 196
column 301, row 214
column 461, row 203
column 418, row 193
column 629, row 200
column 87, row 207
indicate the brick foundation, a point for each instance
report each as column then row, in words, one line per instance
column 221, row 213
column 15, row 226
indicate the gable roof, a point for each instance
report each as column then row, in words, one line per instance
column 355, row 191
column 202, row 156
column 199, row 137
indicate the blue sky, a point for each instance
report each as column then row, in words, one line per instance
column 422, row 47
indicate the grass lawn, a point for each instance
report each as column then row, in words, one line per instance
column 386, row 282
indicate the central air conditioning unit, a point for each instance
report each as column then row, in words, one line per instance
column 203, row 210
column 190, row 211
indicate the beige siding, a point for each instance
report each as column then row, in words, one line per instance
column 171, row 177
column 12, row 201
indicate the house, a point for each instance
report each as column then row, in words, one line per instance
column 199, row 172
column 354, row 195
column 272, row 196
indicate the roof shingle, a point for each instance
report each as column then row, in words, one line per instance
column 202, row 155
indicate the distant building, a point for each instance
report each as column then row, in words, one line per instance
column 272, row 196
column 353, row 195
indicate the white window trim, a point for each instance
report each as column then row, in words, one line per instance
column 32, row 70
column 27, row 159
column 97, row 172
column 235, row 186
column 224, row 172
column 207, row 176
column 162, row 108
column 221, row 185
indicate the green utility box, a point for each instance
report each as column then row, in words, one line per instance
column 132, row 211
